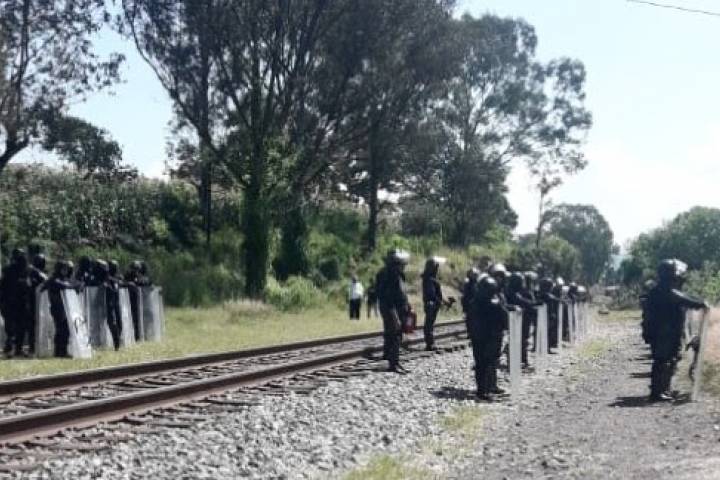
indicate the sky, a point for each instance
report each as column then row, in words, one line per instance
column 653, row 87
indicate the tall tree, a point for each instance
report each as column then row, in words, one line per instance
column 175, row 37
column 49, row 60
column 505, row 106
column 405, row 61
column 584, row 227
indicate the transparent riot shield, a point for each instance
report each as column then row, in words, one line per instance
column 541, row 333
column 515, row 347
column 703, row 327
column 127, row 336
column 559, row 326
column 95, row 308
column 572, row 323
column 44, row 326
column 79, row 338
column 153, row 320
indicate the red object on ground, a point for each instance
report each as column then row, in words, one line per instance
column 410, row 322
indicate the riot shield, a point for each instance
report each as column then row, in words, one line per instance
column 153, row 320
column 95, row 308
column 541, row 333
column 515, row 347
column 44, row 326
column 79, row 339
column 704, row 322
column 127, row 336
column 572, row 323
column 2, row 331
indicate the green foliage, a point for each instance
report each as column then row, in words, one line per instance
column 295, row 294
column 692, row 236
column 705, row 283
column 584, row 227
column 554, row 257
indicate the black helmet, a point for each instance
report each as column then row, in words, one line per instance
column 17, row 255
column 573, row 287
column 39, row 262
column 85, row 263
column 671, row 269
column 486, row 288
column 113, row 267
column 61, row 265
column 473, row 274
column 397, row 257
column 135, row 266
column 101, row 266
column 498, row 270
column 649, row 285
column 547, row 284
column 143, row 268
column 559, row 282
column 432, row 265
column 531, row 276
column 516, row 281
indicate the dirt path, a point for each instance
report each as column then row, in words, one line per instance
column 593, row 421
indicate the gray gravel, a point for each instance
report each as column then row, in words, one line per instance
column 581, row 416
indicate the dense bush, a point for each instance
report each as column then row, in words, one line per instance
column 295, row 294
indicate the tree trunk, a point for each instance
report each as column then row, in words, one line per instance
column 293, row 258
column 256, row 227
column 374, row 167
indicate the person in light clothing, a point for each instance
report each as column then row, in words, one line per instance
column 355, row 297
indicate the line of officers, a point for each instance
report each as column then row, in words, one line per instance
column 487, row 297
column 24, row 279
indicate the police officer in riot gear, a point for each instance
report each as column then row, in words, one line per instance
column 546, row 295
column 394, row 306
column 60, row 280
column 647, row 287
column 519, row 295
column 487, row 321
column 111, row 286
column 468, row 289
column 432, row 299
column 665, row 310
column 84, row 274
column 15, row 299
column 134, row 281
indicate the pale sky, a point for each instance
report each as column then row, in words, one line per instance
column 653, row 87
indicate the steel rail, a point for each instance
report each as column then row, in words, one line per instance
column 83, row 414
column 33, row 385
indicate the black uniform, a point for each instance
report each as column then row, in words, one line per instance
column 393, row 302
column 521, row 297
column 546, row 296
column 432, row 301
column 134, row 281
column 371, row 300
column 16, row 297
column 487, row 321
column 55, row 286
column 665, row 320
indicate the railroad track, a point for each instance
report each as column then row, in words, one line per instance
column 45, row 406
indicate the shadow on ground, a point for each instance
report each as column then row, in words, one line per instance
column 454, row 393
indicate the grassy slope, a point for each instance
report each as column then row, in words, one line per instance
column 190, row 331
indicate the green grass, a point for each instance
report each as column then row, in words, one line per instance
column 594, row 348
column 386, row 467
column 232, row 326
column 463, row 420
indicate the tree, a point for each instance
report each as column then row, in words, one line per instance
column 692, row 236
column 405, row 60
column 175, row 37
column 49, row 61
column 584, row 227
column 505, row 105
column 88, row 148
column 554, row 257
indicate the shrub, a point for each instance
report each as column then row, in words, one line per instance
column 295, row 294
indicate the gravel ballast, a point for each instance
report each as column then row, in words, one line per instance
column 582, row 415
